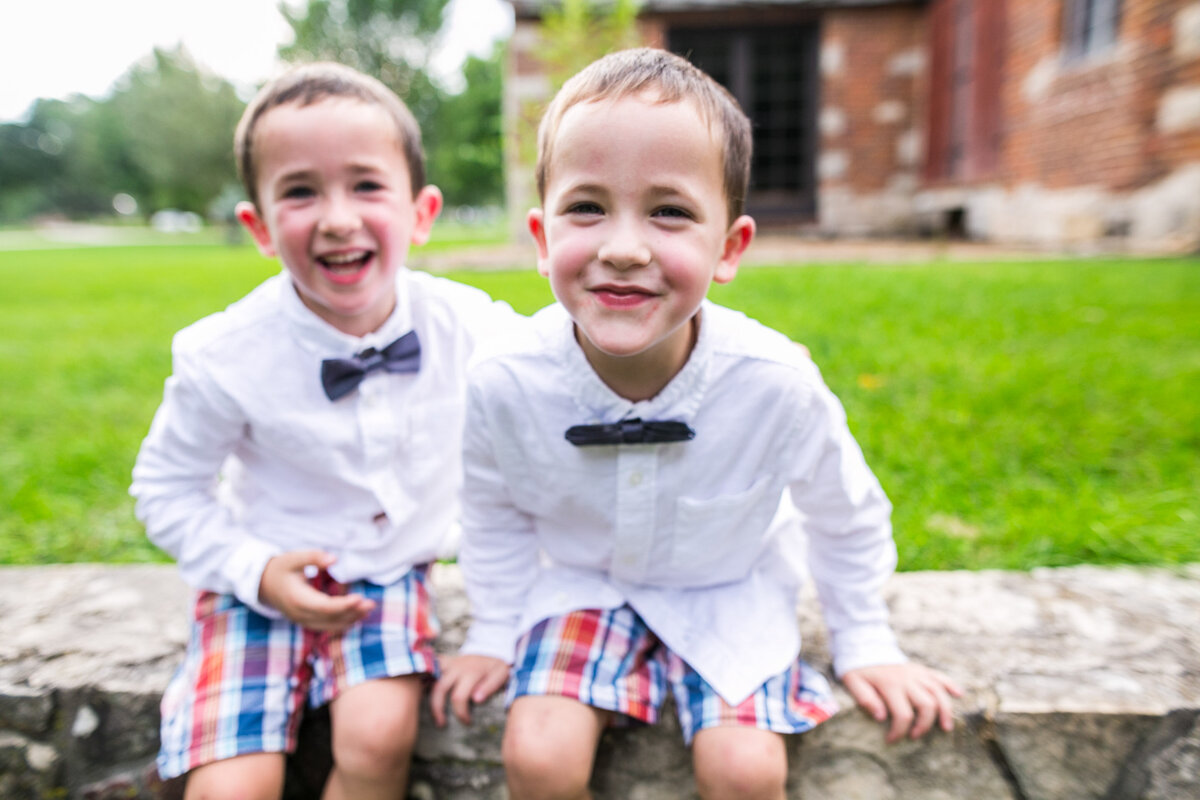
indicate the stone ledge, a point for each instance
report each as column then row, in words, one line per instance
column 1082, row 683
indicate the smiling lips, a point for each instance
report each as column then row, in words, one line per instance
column 619, row 297
column 345, row 267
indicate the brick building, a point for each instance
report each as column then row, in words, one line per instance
column 1048, row 122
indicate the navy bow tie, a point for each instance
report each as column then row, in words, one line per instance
column 629, row 431
column 340, row 376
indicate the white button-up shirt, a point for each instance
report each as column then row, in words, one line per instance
column 373, row 478
column 699, row 537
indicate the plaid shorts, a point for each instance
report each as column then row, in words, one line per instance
column 609, row 659
column 246, row 678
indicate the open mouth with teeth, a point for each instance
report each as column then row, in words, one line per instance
column 345, row 267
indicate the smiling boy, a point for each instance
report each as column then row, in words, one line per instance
column 627, row 459
column 304, row 466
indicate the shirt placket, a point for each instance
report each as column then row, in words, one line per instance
column 378, row 428
column 637, row 473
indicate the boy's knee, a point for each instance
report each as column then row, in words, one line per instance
column 741, row 763
column 541, row 763
column 374, row 728
column 376, row 746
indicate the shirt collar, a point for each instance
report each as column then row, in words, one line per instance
column 679, row 399
column 324, row 340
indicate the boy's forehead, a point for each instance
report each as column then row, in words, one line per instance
column 593, row 121
column 333, row 114
column 328, row 125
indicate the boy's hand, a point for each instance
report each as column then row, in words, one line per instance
column 285, row 587
column 912, row 694
column 466, row 680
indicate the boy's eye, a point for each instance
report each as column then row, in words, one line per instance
column 368, row 186
column 297, row 192
column 672, row 212
column 584, row 208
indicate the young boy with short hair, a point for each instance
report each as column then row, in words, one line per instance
column 303, row 468
column 627, row 460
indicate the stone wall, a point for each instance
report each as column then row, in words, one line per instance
column 1082, row 683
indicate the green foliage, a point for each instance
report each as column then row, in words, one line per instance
column 1017, row 414
column 577, row 32
column 164, row 136
column 574, row 33
column 465, row 138
column 391, row 40
column 176, row 126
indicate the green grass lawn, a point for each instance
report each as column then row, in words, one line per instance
column 1018, row 414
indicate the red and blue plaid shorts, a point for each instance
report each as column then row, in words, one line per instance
column 610, row 659
column 246, row 678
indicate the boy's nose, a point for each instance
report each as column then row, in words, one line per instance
column 339, row 218
column 625, row 247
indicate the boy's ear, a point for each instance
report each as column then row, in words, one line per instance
column 426, row 206
column 247, row 214
column 536, row 220
column 737, row 239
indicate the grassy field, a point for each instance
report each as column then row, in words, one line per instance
column 1017, row 414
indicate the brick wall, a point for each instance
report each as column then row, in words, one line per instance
column 1100, row 148
column 872, row 64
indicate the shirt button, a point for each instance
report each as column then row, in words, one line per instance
column 628, row 560
column 635, row 479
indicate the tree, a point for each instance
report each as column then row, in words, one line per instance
column 164, row 136
column 577, row 32
column 176, row 123
column 389, row 39
column 465, row 138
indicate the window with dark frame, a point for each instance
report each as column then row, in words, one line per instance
column 772, row 73
column 1090, row 26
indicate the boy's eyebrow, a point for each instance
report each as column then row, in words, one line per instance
column 297, row 176
column 659, row 190
column 311, row 174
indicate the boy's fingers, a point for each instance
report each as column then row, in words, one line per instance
column 865, row 695
column 491, row 683
column 927, row 709
column 437, row 703
column 460, row 701
column 902, row 713
column 945, row 690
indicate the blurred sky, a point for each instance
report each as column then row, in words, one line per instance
column 55, row 48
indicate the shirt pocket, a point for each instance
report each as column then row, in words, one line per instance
column 718, row 539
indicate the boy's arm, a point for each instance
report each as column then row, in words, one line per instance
column 847, row 518
column 499, row 552
column 175, row 483
column 851, row 555
column 499, row 562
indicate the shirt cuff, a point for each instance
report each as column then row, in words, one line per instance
column 865, row 646
column 494, row 639
column 244, row 570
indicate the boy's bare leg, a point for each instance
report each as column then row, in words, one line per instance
column 374, row 730
column 549, row 747
column 737, row 763
column 257, row 776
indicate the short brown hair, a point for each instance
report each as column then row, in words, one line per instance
column 674, row 79
column 309, row 83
